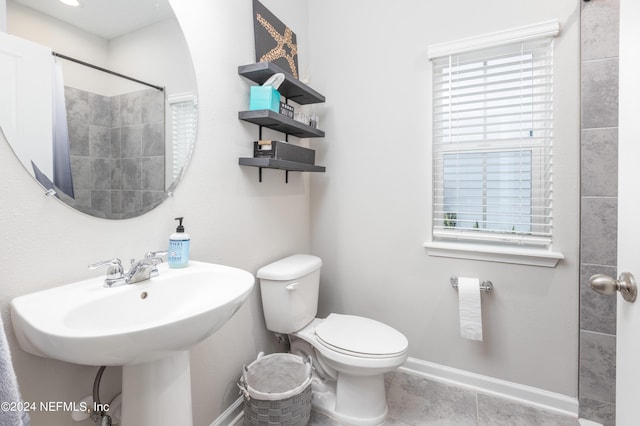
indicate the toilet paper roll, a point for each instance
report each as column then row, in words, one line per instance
column 470, row 310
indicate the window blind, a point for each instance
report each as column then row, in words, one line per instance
column 184, row 124
column 492, row 144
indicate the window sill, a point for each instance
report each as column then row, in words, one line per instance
column 488, row 253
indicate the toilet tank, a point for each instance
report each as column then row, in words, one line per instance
column 289, row 289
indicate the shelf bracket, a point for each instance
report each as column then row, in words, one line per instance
column 286, row 175
column 259, row 133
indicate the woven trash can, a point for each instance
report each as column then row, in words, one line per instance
column 277, row 390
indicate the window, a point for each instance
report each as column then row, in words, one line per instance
column 492, row 144
column 184, row 124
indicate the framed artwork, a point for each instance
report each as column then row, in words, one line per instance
column 275, row 42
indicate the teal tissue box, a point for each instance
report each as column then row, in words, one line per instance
column 264, row 97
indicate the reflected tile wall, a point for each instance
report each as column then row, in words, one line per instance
column 117, row 149
column 77, row 103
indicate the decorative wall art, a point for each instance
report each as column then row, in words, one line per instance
column 275, row 42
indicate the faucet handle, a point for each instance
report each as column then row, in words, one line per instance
column 115, row 262
column 154, row 257
column 150, row 254
column 115, row 271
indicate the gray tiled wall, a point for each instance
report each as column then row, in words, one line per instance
column 599, row 203
column 117, row 151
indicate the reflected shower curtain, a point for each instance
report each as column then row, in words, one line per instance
column 61, row 152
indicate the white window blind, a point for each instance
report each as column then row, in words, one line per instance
column 492, row 144
column 184, row 125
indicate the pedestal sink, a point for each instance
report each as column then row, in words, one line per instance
column 147, row 327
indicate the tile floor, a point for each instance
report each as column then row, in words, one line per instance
column 416, row 401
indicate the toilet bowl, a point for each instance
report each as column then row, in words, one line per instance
column 350, row 353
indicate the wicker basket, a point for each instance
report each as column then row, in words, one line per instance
column 277, row 390
column 292, row 411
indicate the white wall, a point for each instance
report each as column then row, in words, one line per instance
column 158, row 55
column 371, row 209
column 3, row 16
column 66, row 39
column 232, row 218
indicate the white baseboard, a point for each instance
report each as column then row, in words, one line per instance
column 231, row 416
column 489, row 385
column 585, row 422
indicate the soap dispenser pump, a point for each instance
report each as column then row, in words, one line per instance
column 179, row 242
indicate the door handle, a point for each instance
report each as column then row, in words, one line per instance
column 625, row 284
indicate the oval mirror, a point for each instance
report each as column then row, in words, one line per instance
column 123, row 117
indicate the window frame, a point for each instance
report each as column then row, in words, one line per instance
column 478, row 47
column 180, row 152
column 510, row 254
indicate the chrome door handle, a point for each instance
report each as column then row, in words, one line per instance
column 625, row 284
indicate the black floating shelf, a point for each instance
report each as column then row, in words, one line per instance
column 272, row 163
column 291, row 88
column 280, row 123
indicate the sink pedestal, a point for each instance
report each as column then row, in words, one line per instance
column 158, row 392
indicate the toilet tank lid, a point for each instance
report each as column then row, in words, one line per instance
column 290, row 268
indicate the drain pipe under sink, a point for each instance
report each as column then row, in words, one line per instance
column 99, row 416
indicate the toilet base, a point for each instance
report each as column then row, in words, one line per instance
column 353, row 400
column 349, row 389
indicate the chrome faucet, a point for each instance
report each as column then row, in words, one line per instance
column 115, row 272
column 142, row 270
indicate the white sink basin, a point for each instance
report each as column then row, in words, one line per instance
column 86, row 323
column 147, row 326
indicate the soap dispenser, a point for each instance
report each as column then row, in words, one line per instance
column 179, row 242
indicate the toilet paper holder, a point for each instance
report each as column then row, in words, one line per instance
column 484, row 285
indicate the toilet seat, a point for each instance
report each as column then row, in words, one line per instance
column 360, row 337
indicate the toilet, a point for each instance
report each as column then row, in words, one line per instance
column 350, row 354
